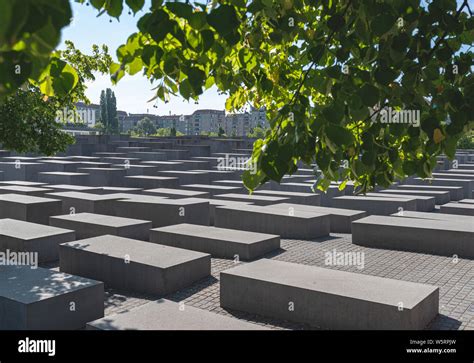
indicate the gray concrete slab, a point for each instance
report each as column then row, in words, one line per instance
column 456, row 193
column 219, row 242
column 28, row 208
column 176, row 193
column 187, row 176
column 57, row 177
column 168, row 315
column 162, row 211
column 304, row 225
column 132, row 265
column 42, row 299
column 466, row 209
column 151, row 182
column 340, row 219
column 467, row 185
column 440, row 237
column 19, row 189
column 312, row 199
column 423, row 203
column 374, row 205
column 21, row 236
column 255, row 199
column 440, row 197
column 327, row 298
column 78, row 202
column 100, row 177
column 212, row 189
column 87, row 225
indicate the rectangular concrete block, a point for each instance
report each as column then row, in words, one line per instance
column 467, row 185
column 19, row 189
column 151, row 182
column 169, row 315
column 63, row 178
column 87, row 225
column 456, row 193
column 327, row 298
column 78, row 202
column 340, row 219
column 466, row 209
column 438, row 237
column 423, row 203
column 212, row 189
column 175, row 193
column 187, row 176
column 151, row 268
column 20, row 236
column 440, row 197
column 100, row 177
column 40, row 299
column 313, row 199
column 162, row 211
column 21, row 170
column 298, row 225
column 255, row 199
column 374, row 205
column 219, row 242
column 28, row 208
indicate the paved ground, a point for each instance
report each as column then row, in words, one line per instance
column 455, row 279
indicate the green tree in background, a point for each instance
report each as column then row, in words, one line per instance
column 28, row 124
column 257, row 132
column 221, row 132
column 108, row 111
column 145, row 127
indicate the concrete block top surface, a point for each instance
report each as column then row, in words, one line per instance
column 100, row 219
column 427, row 187
column 141, row 252
column 316, row 209
column 150, row 177
column 22, row 183
column 435, row 216
column 188, row 193
column 231, row 235
column 27, row 230
column 212, row 187
column 25, row 199
column 161, row 200
column 431, row 224
column 252, row 209
column 461, row 204
column 62, row 173
column 84, row 196
column 375, row 199
column 23, row 189
column 28, row 285
column 283, row 193
column 352, row 285
column 72, row 187
column 267, row 198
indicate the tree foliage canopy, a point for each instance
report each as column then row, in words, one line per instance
column 324, row 70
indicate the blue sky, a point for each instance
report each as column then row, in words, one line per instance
column 132, row 92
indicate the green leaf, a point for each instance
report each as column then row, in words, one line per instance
column 135, row 5
column 369, row 95
column 339, row 135
column 382, row 24
column 224, row 20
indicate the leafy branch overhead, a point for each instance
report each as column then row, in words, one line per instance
column 324, row 70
